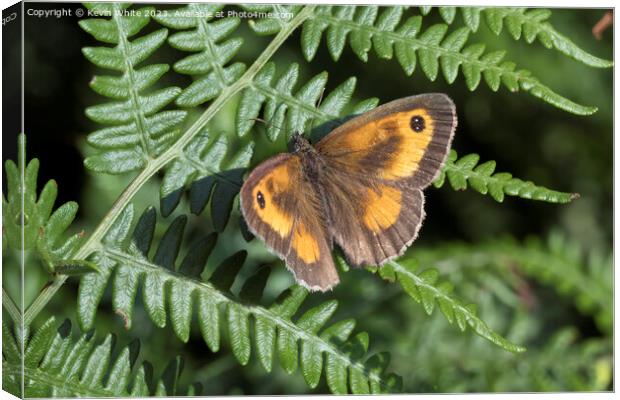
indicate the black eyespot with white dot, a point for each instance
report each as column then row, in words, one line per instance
column 260, row 199
column 417, row 123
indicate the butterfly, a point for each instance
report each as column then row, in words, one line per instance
column 360, row 187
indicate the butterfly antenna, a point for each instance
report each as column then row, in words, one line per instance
column 318, row 104
column 264, row 122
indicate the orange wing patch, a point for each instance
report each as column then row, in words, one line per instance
column 305, row 245
column 416, row 131
column 275, row 182
column 408, row 132
column 382, row 208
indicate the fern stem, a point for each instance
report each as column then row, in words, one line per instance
column 11, row 308
column 94, row 241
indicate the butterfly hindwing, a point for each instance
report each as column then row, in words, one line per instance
column 372, row 222
column 283, row 209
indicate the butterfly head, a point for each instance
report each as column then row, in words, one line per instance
column 299, row 143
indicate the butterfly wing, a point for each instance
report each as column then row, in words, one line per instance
column 282, row 208
column 376, row 166
column 405, row 141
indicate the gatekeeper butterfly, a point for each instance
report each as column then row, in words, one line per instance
column 359, row 187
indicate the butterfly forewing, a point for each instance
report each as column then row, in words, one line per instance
column 403, row 141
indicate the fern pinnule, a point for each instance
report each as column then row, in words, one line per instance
column 482, row 179
column 139, row 131
column 212, row 55
column 270, row 26
column 177, row 292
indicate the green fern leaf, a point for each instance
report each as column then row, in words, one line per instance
column 364, row 25
column 288, row 112
column 208, row 64
column 139, row 131
column 530, row 24
column 57, row 366
column 424, row 288
column 166, row 290
column 466, row 171
column 204, row 167
column 43, row 230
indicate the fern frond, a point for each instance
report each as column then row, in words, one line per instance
column 168, row 290
column 424, row 288
column 212, row 55
column 482, row 179
column 139, row 131
column 560, row 263
column 291, row 112
column 531, row 24
column 44, row 230
column 203, row 165
column 55, row 365
column 365, row 28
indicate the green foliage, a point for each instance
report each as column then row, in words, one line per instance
column 139, row 131
column 584, row 277
column 424, row 288
column 56, row 365
column 288, row 112
column 530, row 24
column 43, row 230
column 208, row 65
column 557, row 361
column 128, row 263
column 482, row 179
column 365, row 29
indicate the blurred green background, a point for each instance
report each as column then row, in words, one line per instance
column 567, row 349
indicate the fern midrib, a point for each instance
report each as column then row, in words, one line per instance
column 204, row 168
column 213, row 57
column 221, row 297
column 462, row 309
column 154, row 165
column 290, row 99
column 139, row 116
column 60, row 382
column 416, row 44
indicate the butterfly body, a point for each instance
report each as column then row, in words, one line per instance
column 360, row 187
